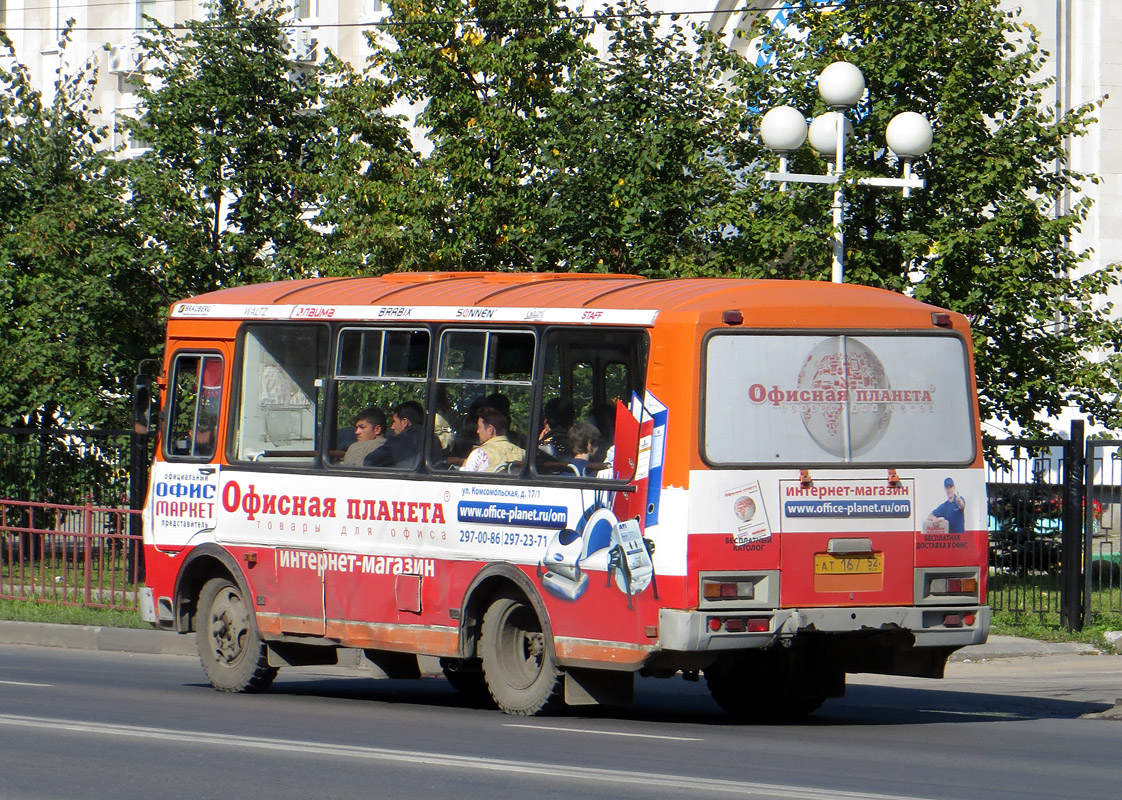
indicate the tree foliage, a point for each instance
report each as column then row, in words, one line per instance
column 241, row 145
column 75, row 311
column 989, row 235
column 483, row 75
column 633, row 152
column 548, row 155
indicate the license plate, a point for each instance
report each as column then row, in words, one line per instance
column 828, row 564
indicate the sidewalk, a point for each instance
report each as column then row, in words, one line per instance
column 129, row 640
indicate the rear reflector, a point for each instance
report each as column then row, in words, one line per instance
column 739, row 624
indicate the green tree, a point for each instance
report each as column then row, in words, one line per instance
column 988, row 236
column 483, row 74
column 633, row 155
column 364, row 168
column 76, row 308
column 547, row 155
column 235, row 170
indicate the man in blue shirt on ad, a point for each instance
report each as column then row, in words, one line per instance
column 951, row 510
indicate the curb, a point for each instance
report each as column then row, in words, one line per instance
column 1001, row 647
column 88, row 637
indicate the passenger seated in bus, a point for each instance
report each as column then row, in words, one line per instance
column 584, row 440
column 370, row 434
column 467, row 438
column 495, row 450
column 557, row 418
column 403, row 448
column 603, row 418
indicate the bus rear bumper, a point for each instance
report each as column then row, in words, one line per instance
column 937, row 627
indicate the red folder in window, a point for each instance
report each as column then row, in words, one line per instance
column 632, row 463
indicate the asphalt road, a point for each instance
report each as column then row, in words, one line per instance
column 94, row 723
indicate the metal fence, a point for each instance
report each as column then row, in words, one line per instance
column 1055, row 521
column 69, row 555
column 56, row 465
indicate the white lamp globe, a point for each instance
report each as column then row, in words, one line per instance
column 909, row 134
column 824, row 132
column 841, row 85
column 783, row 129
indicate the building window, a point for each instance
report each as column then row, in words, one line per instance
column 144, row 8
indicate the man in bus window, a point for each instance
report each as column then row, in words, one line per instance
column 370, row 434
column 403, row 448
column 495, row 450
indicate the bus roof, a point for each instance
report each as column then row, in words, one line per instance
column 545, row 297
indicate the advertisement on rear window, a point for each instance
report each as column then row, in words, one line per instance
column 810, row 399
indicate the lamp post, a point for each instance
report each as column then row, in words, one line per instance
column 784, row 130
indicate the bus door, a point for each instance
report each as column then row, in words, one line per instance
column 183, row 492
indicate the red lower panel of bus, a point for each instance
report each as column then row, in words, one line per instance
column 415, row 603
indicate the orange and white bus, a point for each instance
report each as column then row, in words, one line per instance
column 554, row 482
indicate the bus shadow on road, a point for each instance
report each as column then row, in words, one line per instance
column 676, row 701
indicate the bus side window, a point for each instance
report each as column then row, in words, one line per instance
column 194, row 404
column 486, row 369
column 589, row 373
column 376, row 369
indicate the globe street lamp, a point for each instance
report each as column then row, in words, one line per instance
column 784, row 130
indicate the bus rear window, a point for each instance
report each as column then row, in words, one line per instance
column 812, row 399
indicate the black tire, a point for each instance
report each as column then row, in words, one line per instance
column 751, row 702
column 232, row 653
column 521, row 674
column 761, row 688
column 466, row 677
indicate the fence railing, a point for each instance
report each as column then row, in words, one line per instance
column 1055, row 528
column 69, row 555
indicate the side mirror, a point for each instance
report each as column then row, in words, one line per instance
column 144, row 400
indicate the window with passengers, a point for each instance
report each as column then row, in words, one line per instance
column 371, row 407
column 378, row 371
column 485, row 388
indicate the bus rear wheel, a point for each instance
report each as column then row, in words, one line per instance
column 756, row 703
column 232, row 653
column 521, row 675
column 765, row 687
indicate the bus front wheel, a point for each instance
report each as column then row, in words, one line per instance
column 520, row 673
column 230, row 648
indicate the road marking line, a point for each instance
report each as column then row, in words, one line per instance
column 602, row 733
column 998, row 714
column 24, row 683
column 687, row 784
